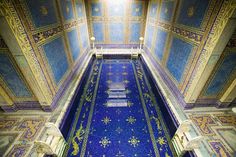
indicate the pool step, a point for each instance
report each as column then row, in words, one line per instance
column 52, row 143
column 134, row 55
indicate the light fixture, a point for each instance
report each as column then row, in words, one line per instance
column 234, row 109
column 140, row 44
column 92, row 39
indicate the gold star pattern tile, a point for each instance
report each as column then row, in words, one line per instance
column 104, row 142
column 106, row 120
column 161, row 140
column 134, row 141
column 131, row 120
column 129, row 104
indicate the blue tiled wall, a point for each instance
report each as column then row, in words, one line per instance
column 79, row 8
column 149, row 36
column 116, row 32
column 167, row 9
column 137, row 9
column 160, row 43
column 223, row 73
column 116, row 8
column 56, row 57
column 135, row 32
column 192, row 12
column 98, row 32
column 84, row 36
column 178, row 57
column 74, row 43
column 42, row 12
column 183, row 23
column 117, row 22
column 96, row 9
column 11, row 77
column 153, row 10
column 67, row 9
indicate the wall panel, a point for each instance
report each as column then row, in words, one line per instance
column 180, row 52
column 116, row 22
column 180, row 36
column 13, row 86
column 42, row 13
column 174, row 31
column 56, row 58
column 74, row 43
column 56, row 34
column 160, row 44
column 12, row 78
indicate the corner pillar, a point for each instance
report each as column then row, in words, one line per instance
column 219, row 35
column 12, row 30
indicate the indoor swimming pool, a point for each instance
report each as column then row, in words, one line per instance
column 117, row 114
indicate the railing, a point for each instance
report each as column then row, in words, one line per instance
column 100, row 52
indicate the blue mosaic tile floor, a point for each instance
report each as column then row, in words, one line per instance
column 118, row 115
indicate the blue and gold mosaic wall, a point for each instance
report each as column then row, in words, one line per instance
column 171, row 47
column 58, row 34
column 116, row 22
column 223, row 74
column 64, row 35
column 174, row 33
column 11, row 78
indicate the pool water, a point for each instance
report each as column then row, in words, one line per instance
column 118, row 114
